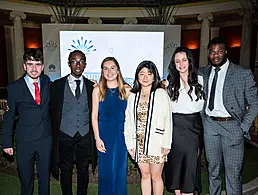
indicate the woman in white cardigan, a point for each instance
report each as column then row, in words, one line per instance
column 148, row 126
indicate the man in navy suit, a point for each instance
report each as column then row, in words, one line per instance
column 28, row 99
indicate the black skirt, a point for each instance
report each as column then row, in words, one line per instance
column 183, row 168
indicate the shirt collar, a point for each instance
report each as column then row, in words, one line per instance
column 224, row 66
column 71, row 78
column 30, row 81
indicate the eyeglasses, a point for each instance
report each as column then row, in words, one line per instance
column 75, row 62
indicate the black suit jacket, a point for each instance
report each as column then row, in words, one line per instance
column 33, row 120
column 56, row 106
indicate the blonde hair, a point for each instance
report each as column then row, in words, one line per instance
column 103, row 82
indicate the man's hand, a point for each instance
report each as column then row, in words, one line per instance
column 8, row 151
column 4, row 105
column 95, row 82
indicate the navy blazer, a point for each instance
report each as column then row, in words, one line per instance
column 33, row 120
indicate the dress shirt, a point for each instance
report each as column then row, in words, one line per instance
column 72, row 84
column 29, row 82
column 185, row 104
column 219, row 109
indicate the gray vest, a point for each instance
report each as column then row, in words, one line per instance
column 75, row 113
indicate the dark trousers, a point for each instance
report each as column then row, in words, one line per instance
column 27, row 154
column 71, row 148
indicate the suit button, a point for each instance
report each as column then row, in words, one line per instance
column 77, row 126
column 232, row 108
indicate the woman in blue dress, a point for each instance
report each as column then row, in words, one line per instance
column 109, row 101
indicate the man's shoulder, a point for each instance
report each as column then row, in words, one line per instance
column 238, row 69
column 203, row 70
column 60, row 80
column 86, row 80
column 15, row 83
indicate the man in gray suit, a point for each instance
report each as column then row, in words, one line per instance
column 230, row 108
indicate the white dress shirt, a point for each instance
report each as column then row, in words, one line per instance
column 72, row 84
column 219, row 109
column 185, row 104
column 29, row 82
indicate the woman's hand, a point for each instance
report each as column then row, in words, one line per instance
column 165, row 151
column 100, row 145
column 132, row 152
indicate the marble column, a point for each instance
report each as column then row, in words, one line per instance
column 94, row 21
column 130, row 20
column 205, row 37
column 246, row 38
column 214, row 32
column 18, row 43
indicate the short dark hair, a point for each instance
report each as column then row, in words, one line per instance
column 76, row 51
column 216, row 40
column 33, row 54
column 153, row 69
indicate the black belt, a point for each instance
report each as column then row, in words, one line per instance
column 215, row 118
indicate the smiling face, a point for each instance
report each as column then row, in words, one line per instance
column 110, row 70
column 33, row 68
column 77, row 63
column 217, row 54
column 181, row 62
column 145, row 77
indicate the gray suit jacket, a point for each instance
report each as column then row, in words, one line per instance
column 239, row 92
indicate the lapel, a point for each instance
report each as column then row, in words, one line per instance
column 227, row 82
column 61, row 88
column 26, row 90
column 206, row 76
column 42, row 89
column 89, row 88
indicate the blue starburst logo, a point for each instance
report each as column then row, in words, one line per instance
column 86, row 46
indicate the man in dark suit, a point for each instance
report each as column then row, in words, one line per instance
column 73, row 140
column 28, row 99
column 231, row 107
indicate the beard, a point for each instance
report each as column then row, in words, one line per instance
column 223, row 61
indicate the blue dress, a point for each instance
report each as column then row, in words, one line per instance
column 112, row 165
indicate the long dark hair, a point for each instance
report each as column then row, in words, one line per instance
column 153, row 69
column 174, row 77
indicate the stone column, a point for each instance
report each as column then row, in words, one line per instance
column 10, row 53
column 246, row 38
column 214, row 32
column 94, row 21
column 205, row 37
column 18, row 43
column 53, row 19
column 130, row 20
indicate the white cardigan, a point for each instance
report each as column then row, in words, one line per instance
column 159, row 128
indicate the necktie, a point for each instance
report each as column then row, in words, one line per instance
column 37, row 93
column 77, row 90
column 213, row 88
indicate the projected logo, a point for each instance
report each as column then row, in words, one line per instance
column 86, row 46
